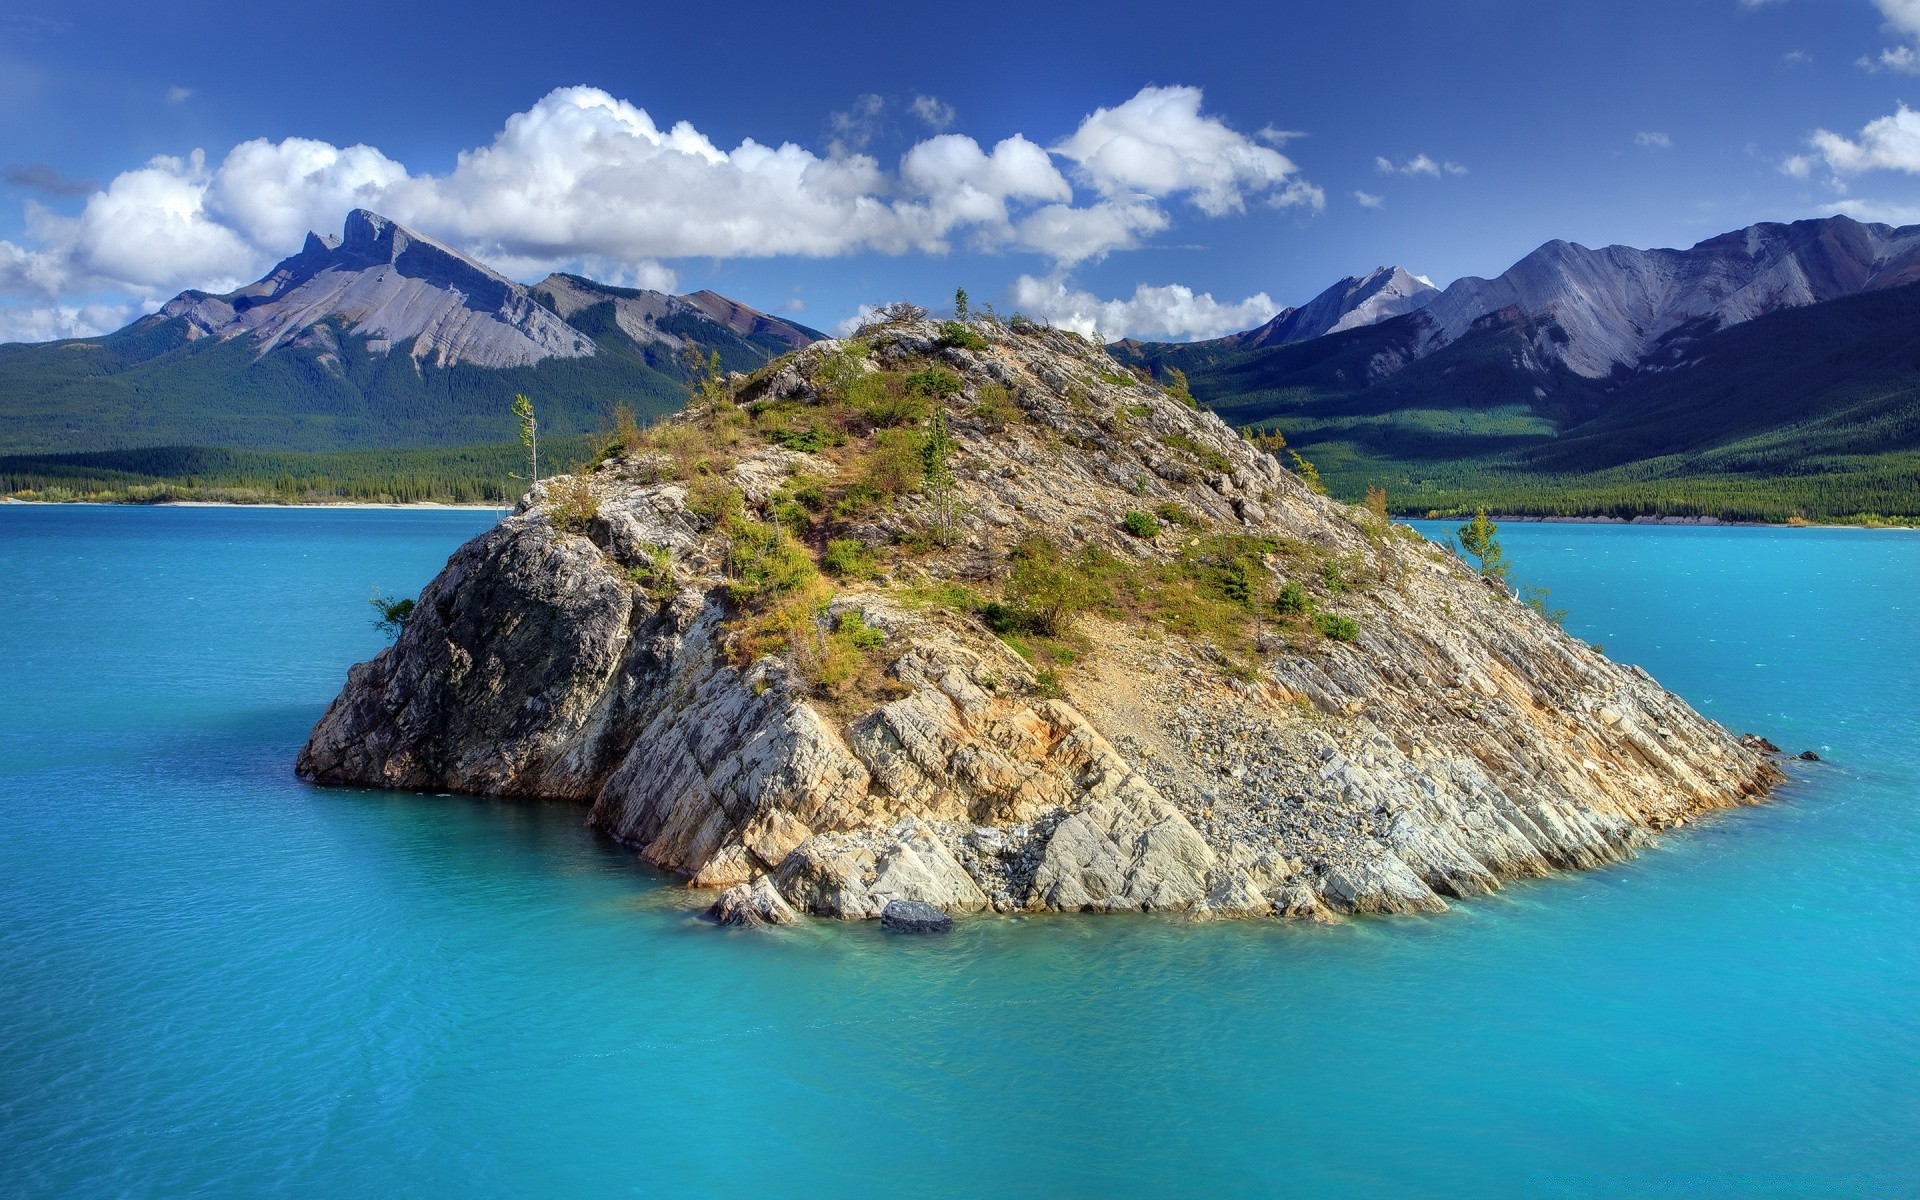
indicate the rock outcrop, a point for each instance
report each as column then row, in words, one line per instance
column 1240, row 699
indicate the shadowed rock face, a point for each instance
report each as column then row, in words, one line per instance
column 1457, row 740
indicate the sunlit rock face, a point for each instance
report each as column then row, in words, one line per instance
column 598, row 647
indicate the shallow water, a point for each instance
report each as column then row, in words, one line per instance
column 215, row 981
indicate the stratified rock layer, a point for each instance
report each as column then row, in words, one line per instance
column 1459, row 739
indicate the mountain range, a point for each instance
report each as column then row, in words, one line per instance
column 1773, row 372
column 1781, row 362
column 379, row 338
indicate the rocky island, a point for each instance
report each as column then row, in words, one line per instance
column 966, row 614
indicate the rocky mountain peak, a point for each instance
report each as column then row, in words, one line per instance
column 968, row 615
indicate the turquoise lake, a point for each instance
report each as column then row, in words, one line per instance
column 216, row 981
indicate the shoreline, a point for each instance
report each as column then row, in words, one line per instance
column 1694, row 522
column 1502, row 518
column 415, row 504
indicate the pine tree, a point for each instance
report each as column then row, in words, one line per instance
column 529, row 436
column 1480, row 537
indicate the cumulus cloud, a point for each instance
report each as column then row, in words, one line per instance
column 1902, row 21
column 1159, row 143
column 1419, row 164
column 45, row 323
column 1172, row 311
column 1890, row 143
column 937, row 113
column 1368, row 199
column 178, row 95
column 584, row 180
column 861, row 315
column 1653, row 140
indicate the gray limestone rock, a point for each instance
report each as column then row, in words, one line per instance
column 1458, row 741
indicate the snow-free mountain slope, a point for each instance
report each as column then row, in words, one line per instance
column 385, row 283
column 378, row 339
column 1612, row 306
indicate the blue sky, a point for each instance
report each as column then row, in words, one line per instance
column 1237, row 165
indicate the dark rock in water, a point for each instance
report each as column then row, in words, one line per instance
column 1809, row 756
column 912, row 916
column 1754, row 741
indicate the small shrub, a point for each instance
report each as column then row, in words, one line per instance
column 571, row 504
column 390, row 615
column 1175, row 385
column 1269, row 440
column 1336, row 627
column 1307, row 473
column 954, row 335
column 655, row 576
column 857, row 501
column 838, row 370
column 933, row 382
column 1536, row 599
column 1007, row 619
column 848, row 558
column 996, row 409
column 1046, row 683
column 1177, row 514
column 807, row 493
column 1377, row 501
column 764, row 562
column 1332, row 578
column 1140, row 525
column 885, row 401
column 895, row 466
column 1292, row 600
column 1202, row 453
column 860, row 635
column 1052, row 588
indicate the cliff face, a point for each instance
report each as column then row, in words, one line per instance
column 1244, row 698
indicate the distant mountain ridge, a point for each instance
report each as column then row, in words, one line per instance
column 391, row 286
column 1639, row 362
column 1356, row 301
column 378, row 338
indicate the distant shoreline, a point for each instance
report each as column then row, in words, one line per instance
column 1502, row 518
column 415, row 504
column 1695, row 522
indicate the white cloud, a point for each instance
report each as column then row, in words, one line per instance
column 1903, row 21
column 1419, row 164
column 1173, row 311
column 861, row 315
column 1158, row 144
column 48, row 322
column 1890, row 143
column 857, row 126
column 1893, row 58
column 1368, row 199
column 1876, row 211
column 583, row 180
column 1279, row 137
column 178, row 95
column 937, row 113
column 1654, row 140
